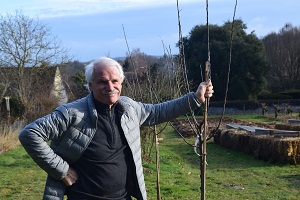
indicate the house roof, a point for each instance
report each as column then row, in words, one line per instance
column 34, row 79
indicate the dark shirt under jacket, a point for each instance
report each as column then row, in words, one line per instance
column 102, row 168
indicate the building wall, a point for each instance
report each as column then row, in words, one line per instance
column 58, row 90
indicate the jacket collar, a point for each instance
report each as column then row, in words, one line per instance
column 122, row 105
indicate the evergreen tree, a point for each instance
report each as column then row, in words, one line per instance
column 248, row 67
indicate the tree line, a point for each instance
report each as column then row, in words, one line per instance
column 266, row 65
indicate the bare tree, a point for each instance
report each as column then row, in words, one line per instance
column 4, row 84
column 26, row 42
column 283, row 52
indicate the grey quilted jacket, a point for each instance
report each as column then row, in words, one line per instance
column 71, row 127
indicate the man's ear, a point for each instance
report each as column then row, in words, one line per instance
column 90, row 86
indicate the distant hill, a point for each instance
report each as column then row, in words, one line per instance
column 120, row 58
column 124, row 57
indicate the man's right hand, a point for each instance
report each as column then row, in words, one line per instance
column 71, row 177
column 205, row 90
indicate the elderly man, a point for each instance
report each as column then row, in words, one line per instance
column 95, row 150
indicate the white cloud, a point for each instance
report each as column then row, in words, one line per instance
column 58, row 8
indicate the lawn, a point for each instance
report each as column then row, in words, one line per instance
column 20, row 178
column 230, row 174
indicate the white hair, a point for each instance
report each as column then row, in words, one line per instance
column 102, row 61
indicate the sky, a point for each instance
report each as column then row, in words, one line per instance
column 95, row 28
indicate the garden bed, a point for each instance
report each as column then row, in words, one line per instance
column 272, row 143
column 285, row 150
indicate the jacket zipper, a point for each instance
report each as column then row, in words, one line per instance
column 113, row 133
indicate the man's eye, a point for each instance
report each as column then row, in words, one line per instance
column 102, row 82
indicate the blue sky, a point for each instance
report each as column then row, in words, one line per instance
column 94, row 28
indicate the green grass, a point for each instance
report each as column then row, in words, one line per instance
column 20, row 178
column 227, row 172
column 266, row 119
column 258, row 118
column 230, row 174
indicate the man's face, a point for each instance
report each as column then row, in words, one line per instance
column 106, row 84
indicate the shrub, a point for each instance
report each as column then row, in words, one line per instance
column 274, row 96
column 295, row 94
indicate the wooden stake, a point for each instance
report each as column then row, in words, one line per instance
column 157, row 166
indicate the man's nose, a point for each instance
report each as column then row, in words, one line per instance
column 110, row 86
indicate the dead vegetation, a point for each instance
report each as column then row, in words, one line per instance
column 9, row 141
column 9, row 136
column 264, row 147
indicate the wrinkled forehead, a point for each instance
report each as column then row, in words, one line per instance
column 101, row 69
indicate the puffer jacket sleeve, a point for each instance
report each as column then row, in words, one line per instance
column 35, row 136
column 152, row 114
